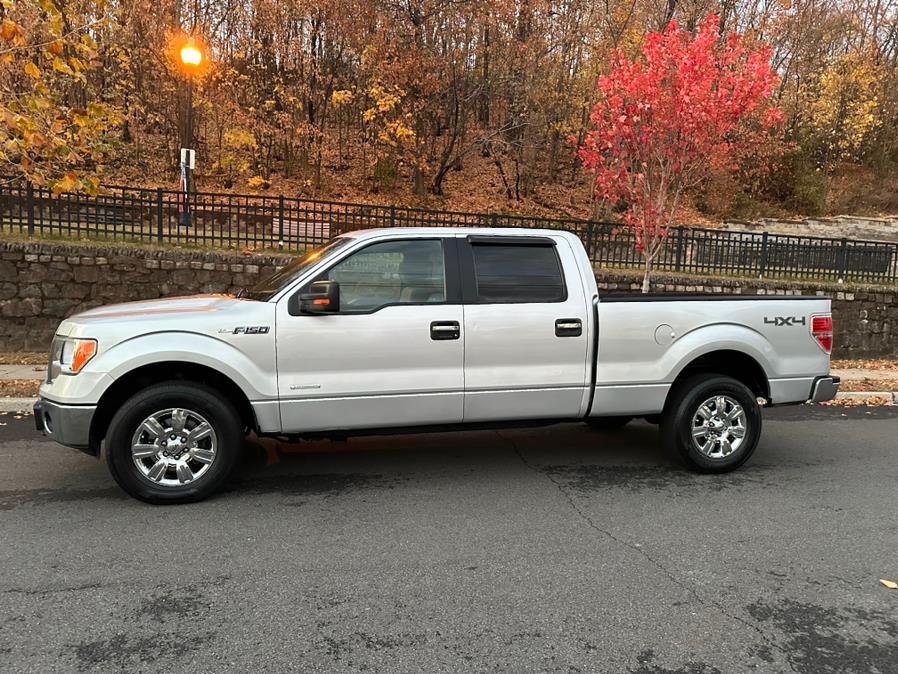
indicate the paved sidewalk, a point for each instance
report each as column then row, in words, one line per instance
column 23, row 371
column 860, row 374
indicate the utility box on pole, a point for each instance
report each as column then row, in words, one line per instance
column 188, row 163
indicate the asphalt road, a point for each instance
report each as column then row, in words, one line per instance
column 558, row 549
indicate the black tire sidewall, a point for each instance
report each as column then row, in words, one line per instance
column 677, row 423
column 200, row 398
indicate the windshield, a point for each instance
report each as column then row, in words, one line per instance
column 265, row 290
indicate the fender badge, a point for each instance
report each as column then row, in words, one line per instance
column 246, row 330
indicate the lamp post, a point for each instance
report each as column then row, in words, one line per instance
column 191, row 58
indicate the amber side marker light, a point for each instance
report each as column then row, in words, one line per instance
column 322, row 302
column 84, row 351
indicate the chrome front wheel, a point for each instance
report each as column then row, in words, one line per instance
column 174, row 447
column 174, row 442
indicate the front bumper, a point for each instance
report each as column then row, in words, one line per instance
column 68, row 425
column 824, row 388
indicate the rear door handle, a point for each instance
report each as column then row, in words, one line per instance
column 445, row 330
column 568, row 327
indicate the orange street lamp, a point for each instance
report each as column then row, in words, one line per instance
column 191, row 57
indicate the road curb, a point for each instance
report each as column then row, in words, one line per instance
column 866, row 395
column 19, row 405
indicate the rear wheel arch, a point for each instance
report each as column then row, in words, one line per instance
column 729, row 363
column 166, row 371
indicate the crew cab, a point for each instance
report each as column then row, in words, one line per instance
column 422, row 328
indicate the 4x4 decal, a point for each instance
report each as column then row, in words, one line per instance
column 778, row 321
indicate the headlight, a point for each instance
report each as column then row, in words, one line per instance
column 71, row 355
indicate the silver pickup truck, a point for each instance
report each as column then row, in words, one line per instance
column 390, row 330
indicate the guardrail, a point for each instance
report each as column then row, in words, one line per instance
column 257, row 221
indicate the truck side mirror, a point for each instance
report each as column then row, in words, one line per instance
column 323, row 298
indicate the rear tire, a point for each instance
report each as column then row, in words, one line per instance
column 608, row 423
column 712, row 423
column 174, row 442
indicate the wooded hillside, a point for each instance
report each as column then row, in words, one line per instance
column 469, row 104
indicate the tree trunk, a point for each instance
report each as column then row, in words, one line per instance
column 646, row 283
column 420, row 188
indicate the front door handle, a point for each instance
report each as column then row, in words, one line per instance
column 568, row 327
column 445, row 330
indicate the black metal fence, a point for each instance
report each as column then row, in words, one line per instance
column 130, row 214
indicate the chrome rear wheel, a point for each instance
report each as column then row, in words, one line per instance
column 719, row 427
column 712, row 422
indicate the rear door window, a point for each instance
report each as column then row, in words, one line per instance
column 517, row 273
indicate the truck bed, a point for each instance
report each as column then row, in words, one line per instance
column 695, row 297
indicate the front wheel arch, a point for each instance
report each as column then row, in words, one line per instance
column 166, row 371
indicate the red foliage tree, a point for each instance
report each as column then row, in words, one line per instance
column 690, row 104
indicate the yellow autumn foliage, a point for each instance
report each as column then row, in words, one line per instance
column 397, row 134
column 842, row 106
column 341, row 97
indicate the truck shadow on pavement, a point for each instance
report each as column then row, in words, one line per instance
column 575, row 455
column 584, row 459
column 572, row 454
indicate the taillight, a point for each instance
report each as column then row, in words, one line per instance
column 822, row 330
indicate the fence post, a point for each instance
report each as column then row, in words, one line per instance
column 159, row 214
column 392, row 216
column 895, row 264
column 29, row 201
column 281, row 213
column 843, row 260
column 494, row 219
column 589, row 250
column 762, row 266
column 679, row 261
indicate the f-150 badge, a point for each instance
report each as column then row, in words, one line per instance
column 246, row 330
column 778, row 321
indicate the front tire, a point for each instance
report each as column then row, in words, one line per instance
column 175, row 442
column 712, row 423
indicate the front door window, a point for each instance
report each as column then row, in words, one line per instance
column 391, row 273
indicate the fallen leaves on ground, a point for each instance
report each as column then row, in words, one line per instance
column 22, row 358
column 872, row 401
column 862, row 385
column 19, row 388
column 891, row 584
column 861, row 364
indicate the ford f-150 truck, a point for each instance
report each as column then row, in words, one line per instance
column 422, row 329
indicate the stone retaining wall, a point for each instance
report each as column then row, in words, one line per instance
column 42, row 283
